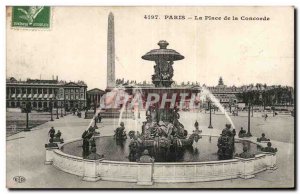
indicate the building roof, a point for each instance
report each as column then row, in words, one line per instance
column 53, row 82
column 95, row 91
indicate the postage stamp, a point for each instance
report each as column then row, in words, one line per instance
column 31, row 16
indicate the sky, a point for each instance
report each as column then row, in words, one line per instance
column 74, row 48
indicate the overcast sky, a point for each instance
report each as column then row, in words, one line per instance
column 242, row 52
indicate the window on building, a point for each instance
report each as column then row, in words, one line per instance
column 67, row 96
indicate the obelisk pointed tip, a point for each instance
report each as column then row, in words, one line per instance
column 111, row 14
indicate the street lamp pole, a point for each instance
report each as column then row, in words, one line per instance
column 27, row 110
column 95, row 122
column 210, row 125
column 57, row 111
column 65, row 108
column 95, row 106
column 61, row 110
column 249, row 133
column 51, row 107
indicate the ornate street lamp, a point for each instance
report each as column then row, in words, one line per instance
column 95, row 122
column 209, row 105
column 51, row 107
column 95, row 106
column 57, row 110
column 61, row 109
column 249, row 109
column 65, row 107
column 27, row 110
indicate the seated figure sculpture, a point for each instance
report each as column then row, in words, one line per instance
column 226, row 144
column 57, row 137
column 242, row 133
column 262, row 138
column 196, row 125
column 120, row 133
column 145, row 158
column 245, row 153
column 51, row 144
column 93, row 155
column 269, row 148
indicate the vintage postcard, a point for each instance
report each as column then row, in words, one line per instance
column 150, row 97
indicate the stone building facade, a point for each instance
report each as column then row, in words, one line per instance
column 94, row 96
column 41, row 94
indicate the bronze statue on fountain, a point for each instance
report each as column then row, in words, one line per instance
column 120, row 133
column 164, row 59
column 226, row 143
column 161, row 133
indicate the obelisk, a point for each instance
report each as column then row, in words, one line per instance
column 110, row 53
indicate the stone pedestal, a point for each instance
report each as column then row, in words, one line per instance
column 90, row 170
column 247, row 168
column 145, row 174
column 49, row 155
column 271, row 161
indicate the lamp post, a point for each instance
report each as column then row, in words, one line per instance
column 95, row 123
column 65, row 108
column 57, row 110
column 249, row 133
column 95, row 106
column 51, row 107
column 61, row 109
column 209, row 105
column 27, row 110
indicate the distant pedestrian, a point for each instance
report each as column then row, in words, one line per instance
column 266, row 116
column 99, row 118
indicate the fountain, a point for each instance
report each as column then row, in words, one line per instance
column 176, row 153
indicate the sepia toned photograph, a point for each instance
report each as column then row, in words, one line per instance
column 150, row 97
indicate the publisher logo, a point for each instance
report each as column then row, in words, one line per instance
column 19, row 179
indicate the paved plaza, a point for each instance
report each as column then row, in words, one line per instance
column 26, row 152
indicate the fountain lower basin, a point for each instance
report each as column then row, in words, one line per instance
column 149, row 173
